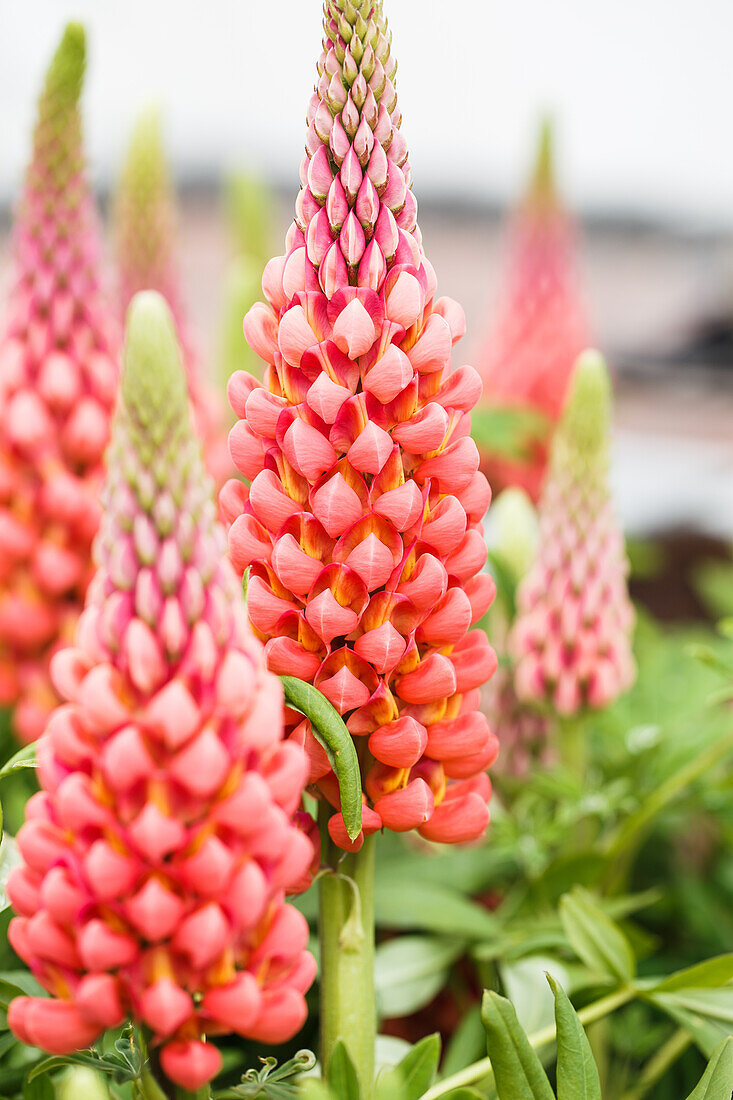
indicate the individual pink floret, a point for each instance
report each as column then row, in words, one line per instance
column 157, row 854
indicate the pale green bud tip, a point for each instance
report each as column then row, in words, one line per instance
column 587, row 416
column 153, row 387
column 145, row 151
column 514, row 524
column 542, row 185
column 65, row 74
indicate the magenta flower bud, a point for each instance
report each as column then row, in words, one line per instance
column 158, row 853
column 58, row 369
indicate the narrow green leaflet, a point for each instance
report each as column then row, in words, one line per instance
column 419, row 1067
column 104, row 1065
column 706, row 975
column 518, row 1072
column 330, row 730
column 466, row 1044
column 342, row 1075
column 577, row 1074
column 410, row 971
column 596, row 939
column 24, row 758
column 717, row 1081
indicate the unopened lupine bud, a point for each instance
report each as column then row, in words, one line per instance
column 58, row 378
column 362, row 525
column 145, row 231
column 572, row 637
column 160, row 847
column 541, row 326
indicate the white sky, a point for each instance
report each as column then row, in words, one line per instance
column 641, row 90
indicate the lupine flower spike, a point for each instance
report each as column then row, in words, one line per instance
column 572, row 637
column 158, row 851
column 541, row 327
column 58, row 378
column 145, row 234
column 362, row 529
column 524, row 732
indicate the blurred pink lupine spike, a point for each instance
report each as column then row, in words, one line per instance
column 159, row 850
column 541, row 326
column 145, row 220
column 572, row 636
column 362, row 529
column 58, row 378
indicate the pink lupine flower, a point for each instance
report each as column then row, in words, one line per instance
column 572, row 636
column 361, row 528
column 160, row 847
column 541, row 327
column 145, row 230
column 58, row 377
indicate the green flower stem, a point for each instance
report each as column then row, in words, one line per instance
column 574, row 745
column 657, row 1066
column 482, row 1071
column 346, row 927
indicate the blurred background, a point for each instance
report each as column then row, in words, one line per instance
column 639, row 97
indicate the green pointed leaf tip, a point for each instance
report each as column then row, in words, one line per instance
column 586, row 421
column 577, row 1073
column 518, row 1072
column 514, row 522
column 65, row 75
column 153, row 387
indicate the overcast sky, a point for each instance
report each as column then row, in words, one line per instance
column 641, row 90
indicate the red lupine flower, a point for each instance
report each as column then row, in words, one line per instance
column 362, row 524
column 572, row 636
column 159, row 849
column 58, row 378
column 541, row 327
column 145, row 226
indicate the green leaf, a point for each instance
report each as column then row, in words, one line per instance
column 24, row 758
column 518, row 1072
column 8, row 993
column 402, row 902
column 330, row 731
column 81, row 1059
column 577, row 1075
column 410, row 971
column 342, row 1075
column 39, row 1089
column 596, row 939
column 466, row 1044
column 463, row 1094
column 717, row 1079
column 419, row 1067
column 706, row 975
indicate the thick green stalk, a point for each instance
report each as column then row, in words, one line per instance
column 482, row 1071
column 346, row 926
column 573, row 745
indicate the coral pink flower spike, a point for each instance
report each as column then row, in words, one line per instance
column 145, row 227
column 159, row 849
column 362, row 524
column 541, row 327
column 572, row 636
column 58, row 379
